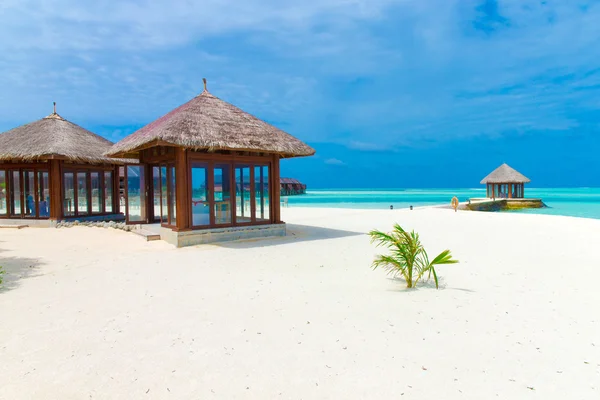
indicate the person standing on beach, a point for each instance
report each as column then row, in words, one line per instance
column 454, row 203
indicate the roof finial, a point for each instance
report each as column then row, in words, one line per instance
column 54, row 107
column 204, row 80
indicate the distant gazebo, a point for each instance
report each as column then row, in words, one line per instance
column 505, row 182
column 53, row 169
column 291, row 187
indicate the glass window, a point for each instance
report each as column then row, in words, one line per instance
column 69, row 194
column 261, row 193
column 163, row 195
column 171, row 189
column 222, row 193
column 108, row 191
column 29, row 193
column 96, row 189
column 200, row 204
column 3, row 192
column 82, row 193
column 243, row 210
column 43, row 194
column 136, row 193
column 156, row 190
column 15, row 193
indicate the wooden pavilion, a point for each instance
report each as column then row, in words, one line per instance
column 208, row 171
column 53, row 170
column 505, row 182
column 291, row 187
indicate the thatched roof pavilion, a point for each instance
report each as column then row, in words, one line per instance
column 55, row 169
column 53, row 137
column 207, row 165
column 209, row 123
column 505, row 182
column 291, row 187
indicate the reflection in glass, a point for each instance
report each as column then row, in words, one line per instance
column 96, row 188
column 222, row 194
column 171, row 196
column 108, row 191
column 43, row 194
column 136, row 195
column 200, row 204
column 163, row 195
column 29, row 193
column 82, row 193
column 68, row 194
column 243, row 212
column 156, row 190
column 15, row 194
column 3, row 192
column 261, row 192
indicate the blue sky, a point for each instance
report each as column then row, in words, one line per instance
column 391, row 93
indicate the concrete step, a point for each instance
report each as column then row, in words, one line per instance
column 13, row 226
column 149, row 235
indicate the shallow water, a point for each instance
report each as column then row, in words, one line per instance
column 575, row 202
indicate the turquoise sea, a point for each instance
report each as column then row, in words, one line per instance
column 578, row 202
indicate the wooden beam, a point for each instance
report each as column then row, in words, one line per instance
column 182, row 181
column 56, row 195
column 275, row 190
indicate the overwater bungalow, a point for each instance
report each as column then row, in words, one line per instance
column 505, row 182
column 52, row 170
column 208, row 171
column 291, row 187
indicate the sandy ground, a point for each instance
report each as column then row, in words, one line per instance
column 92, row 313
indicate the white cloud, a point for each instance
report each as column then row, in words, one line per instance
column 430, row 73
column 334, row 161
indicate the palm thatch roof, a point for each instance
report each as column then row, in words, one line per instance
column 505, row 174
column 209, row 123
column 54, row 137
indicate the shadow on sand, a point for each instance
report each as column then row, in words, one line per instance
column 16, row 269
column 295, row 233
column 425, row 284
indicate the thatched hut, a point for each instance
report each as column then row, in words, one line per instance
column 207, row 165
column 53, row 169
column 505, row 182
column 291, row 187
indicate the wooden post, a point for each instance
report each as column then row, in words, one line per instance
column 510, row 189
column 182, row 181
column 276, row 190
column 55, row 190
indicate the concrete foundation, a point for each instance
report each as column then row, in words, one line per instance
column 48, row 223
column 204, row 236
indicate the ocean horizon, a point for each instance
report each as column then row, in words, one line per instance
column 571, row 202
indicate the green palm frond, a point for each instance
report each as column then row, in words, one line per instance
column 407, row 256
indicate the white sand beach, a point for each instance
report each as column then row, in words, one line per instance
column 92, row 313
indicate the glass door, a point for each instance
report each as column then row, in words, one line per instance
column 15, row 194
column 135, row 192
column 43, row 194
column 200, row 195
column 164, row 216
column 243, row 190
column 222, row 194
column 29, row 194
column 3, row 193
column 157, row 194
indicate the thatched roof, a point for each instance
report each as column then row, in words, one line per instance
column 54, row 137
column 209, row 123
column 505, row 174
column 290, row 181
